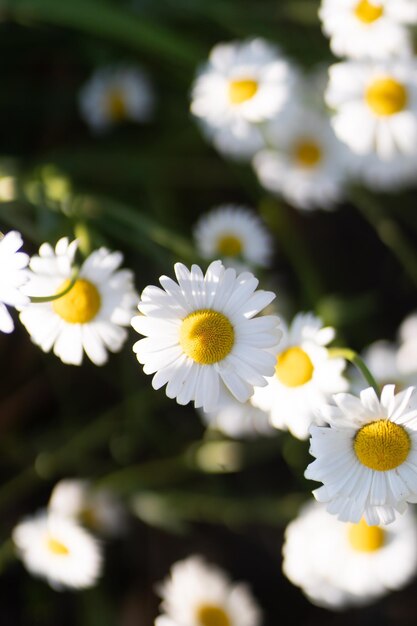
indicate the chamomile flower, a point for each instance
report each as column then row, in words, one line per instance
column 116, row 94
column 368, row 28
column 202, row 333
column 305, row 376
column 304, row 162
column 340, row 565
column 59, row 550
column 12, row 277
column 375, row 106
column 235, row 234
column 200, row 594
column 243, row 84
column 367, row 457
column 91, row 316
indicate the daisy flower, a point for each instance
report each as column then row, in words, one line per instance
column 234, row 233
column 199, row 594
column 243, row 84
column 367, row 457
column 115, row 94
column 305, row 376
column 339, row 565
column 375, row 106
column 91, row 316
column 202, row 333
column 13, row 275
column 59, row 550
column 368, row 28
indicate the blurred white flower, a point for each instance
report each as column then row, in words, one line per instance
column 407, row 351
column 13, row 276
column 385, row 176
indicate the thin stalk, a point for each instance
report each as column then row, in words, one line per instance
column 355, row 359
column 40, row 299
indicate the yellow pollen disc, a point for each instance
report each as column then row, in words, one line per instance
column 242, row 90
column 294, row 367
column 80, row 305
column 382, row 445
column 307, row 153
column 56, row 547
column 116, row 105
column 210, row 615
column 367, row 12
column 229, row 245
column 206, row 336
column 364, row 538
column 386, row 96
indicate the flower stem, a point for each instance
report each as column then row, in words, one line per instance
column 56, row 296
column 353, row 357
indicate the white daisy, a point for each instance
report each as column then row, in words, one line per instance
column 243, row 84
column 375, row 106
column 385, row 176
column 59, row 550
column 368, row 28
column 367, row 458
column 91, row 315
column 304, row 163
column 12, row 276
column 305, row 377
column 115, row 94
column 235, row 234
column 199, row 594
column 202, row 333
column 339, row 565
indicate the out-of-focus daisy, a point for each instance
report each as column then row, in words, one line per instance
column 59, row 550
column 203, row 333
column 305, row 377
column 339, row 565
column 200, row 594
column 368, row 28
column 407, row 351
column 385, row 176
column 243, row 84
column 375, row 106
column 12, row 276
column 91, row 316
column 116, row 94
column 367, row 458
column 235, row 234
column 304, row 162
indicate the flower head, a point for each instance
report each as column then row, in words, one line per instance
column 12, row 277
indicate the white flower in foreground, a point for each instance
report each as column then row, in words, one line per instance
column 368, row 28
column 304, row 162
column 385, row 176
column 116, row 94
column 12, row 276
column 59, row 550
column 91, row 316
column 340, row 565
column 367, row 457
column 375, row 106
column 243, row 84
column 305, row 377
column 202, row 333
column 199, row 594
column 235, row 234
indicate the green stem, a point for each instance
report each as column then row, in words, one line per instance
column 40, row 299
column 355, row 359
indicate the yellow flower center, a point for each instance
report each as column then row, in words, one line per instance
column 386, row 96
column 294, row 367
column 80, row 305
column 368, row 12
column 307, row 153
column 116, row 105
column 206, row 336
column 56, row 547
column 229, row 245
column 242, row 90
column 364, row 538
column 382, row 445
column 210, row 615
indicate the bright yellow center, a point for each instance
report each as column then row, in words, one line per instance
column 364, row 538
column 307, row 153
column 56, row 547
column 116, row 105
column 206, row 336
column 386, row 96
column 294, row 367
column 382, row 445
column 242, row 90
column 80, row 304
column 210, row 615
column 367, row 12
column 229, row 245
